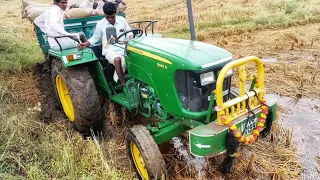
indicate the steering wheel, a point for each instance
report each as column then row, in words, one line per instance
column 136, row 32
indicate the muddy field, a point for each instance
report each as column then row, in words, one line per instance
column 291, row 56
column 291, row 61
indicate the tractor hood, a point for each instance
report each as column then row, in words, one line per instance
column 189, row 54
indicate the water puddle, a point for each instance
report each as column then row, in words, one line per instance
column 197, row 162
column 303, row 116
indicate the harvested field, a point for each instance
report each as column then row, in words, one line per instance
column 37, row 141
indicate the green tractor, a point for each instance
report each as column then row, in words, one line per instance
column 185, row 84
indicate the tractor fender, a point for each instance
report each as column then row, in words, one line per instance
column 85, row 55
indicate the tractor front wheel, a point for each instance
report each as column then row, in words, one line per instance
column 77, row 95
column 145, row 154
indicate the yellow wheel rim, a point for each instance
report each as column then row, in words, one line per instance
column 138, row 161
column 65, row 98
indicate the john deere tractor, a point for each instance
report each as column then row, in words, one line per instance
column 185, row 84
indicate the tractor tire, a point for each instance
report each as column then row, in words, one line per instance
column 145, row 154
column 77, row 96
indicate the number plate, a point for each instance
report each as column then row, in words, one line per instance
column 251, row 124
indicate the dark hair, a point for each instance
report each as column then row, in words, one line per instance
column 109, row 8
column 57, row 1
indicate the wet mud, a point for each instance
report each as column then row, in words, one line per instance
column 50, row 110
column 303, row 117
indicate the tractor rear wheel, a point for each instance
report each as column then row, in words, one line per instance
column 77, row 95
column 145, row 154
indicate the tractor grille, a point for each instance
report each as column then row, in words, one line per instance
column 192, row 95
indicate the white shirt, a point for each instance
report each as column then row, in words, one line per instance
column 88, row 4
column 51, row 23
column 121, row 26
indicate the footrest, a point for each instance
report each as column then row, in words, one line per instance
column 129, row 96
column 119, row 87
column 121, row 99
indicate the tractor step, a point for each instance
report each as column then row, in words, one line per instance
column 122, row 99
column 129, row 97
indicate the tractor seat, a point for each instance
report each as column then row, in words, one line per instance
column 108, row 69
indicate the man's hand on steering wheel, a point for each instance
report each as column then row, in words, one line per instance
column 125, row 42
column 136, row 32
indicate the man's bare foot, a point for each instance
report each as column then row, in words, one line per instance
column 117, row 64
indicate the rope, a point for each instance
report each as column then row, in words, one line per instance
column 250, row 111
column 256, row 95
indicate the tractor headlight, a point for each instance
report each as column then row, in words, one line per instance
column 229, row 73
column 207, row 78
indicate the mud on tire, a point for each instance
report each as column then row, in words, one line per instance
column 83, row 94
column 149, row 151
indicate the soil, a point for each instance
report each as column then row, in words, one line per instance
column 50, row 110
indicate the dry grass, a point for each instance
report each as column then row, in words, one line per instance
column 295, row 69
column 230, row 24
column 24, row 87
column 295, row 79
column 218, row 16
column 36, row 150
column 289, row 79
column 318, row 164
column 19, row 48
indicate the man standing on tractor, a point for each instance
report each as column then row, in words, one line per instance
column 51, row 23
column 113, row 53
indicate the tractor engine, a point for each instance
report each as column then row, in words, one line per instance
column 149, row 101
column 194, row 88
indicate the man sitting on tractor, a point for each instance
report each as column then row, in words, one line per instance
column 113, row 53
column 51, row 23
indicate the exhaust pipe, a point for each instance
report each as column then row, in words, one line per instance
column 191, row 23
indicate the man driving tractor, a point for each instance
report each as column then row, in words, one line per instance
column 114, row 53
